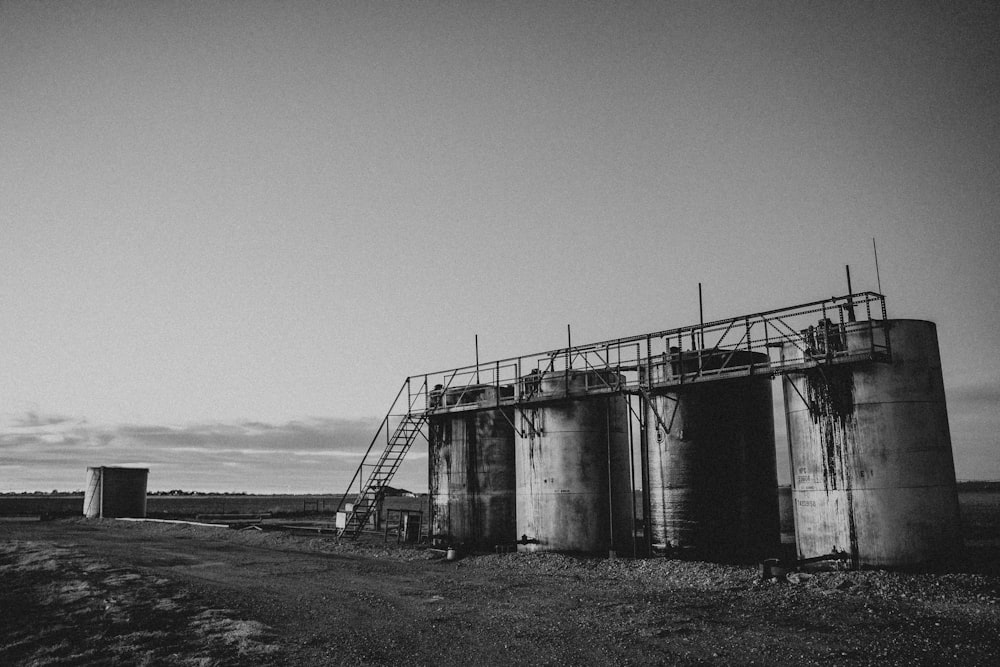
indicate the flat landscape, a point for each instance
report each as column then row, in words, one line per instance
column 114, row 592
column 179, row 506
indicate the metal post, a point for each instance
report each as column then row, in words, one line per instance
column 701, row 334
column 885, row 330
column 649, row 361
column 826, row 337
column 569, row 347
column 518, row 382
column 871, row 331
column 569, row 357
column 701, row 317
column 878, row 279
column 767, row 343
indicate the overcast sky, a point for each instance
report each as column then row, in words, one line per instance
column 229, row 230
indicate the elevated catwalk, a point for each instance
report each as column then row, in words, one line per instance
column 698, row 399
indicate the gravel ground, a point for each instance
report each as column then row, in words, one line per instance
column 93, row 593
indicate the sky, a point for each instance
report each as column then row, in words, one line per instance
column 230, row 230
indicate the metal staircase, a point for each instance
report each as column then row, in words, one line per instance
column 400, row 430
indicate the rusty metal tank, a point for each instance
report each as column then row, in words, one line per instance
column 115, row 492
column 873, row 477
column 573, row 469
column 471, row 468
column 711, row 460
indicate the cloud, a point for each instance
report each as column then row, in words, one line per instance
column 32, row 420
column 319, row 454
column 309, row 455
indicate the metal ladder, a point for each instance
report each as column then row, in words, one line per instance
column 398, row 443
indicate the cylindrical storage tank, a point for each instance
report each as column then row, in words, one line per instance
column 873, row 478
column 471, row 468
column 115, row 492
column 711, row 461
column 573, row 469
column 92, row 495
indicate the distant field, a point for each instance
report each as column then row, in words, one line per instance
column 980, row 514
column 980, row 508
column 176, row 506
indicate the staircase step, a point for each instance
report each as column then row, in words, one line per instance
column 384, row 468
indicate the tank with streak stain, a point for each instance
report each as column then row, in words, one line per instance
column 873, row 476
column 572, row 457
column 711, row 459
column 471, row 468
column 115, row 492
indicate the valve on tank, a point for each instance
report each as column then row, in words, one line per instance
column 434, row 396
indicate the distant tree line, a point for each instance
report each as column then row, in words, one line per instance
column 182, row 492
column 172, row 492
column 53, row 492
column 389, row 491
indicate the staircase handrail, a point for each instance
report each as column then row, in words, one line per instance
column 382, row 426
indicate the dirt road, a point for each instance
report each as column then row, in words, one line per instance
column 115, row 592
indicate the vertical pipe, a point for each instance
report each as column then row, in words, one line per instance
column 631, row 465
column 644, row 472
column 611, row 494
column 477, row 358
column 431, row 438
column 793, row 482
column 850, row 292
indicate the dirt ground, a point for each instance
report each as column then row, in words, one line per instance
column 113, row 592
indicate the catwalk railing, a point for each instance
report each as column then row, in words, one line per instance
column 767, row 343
